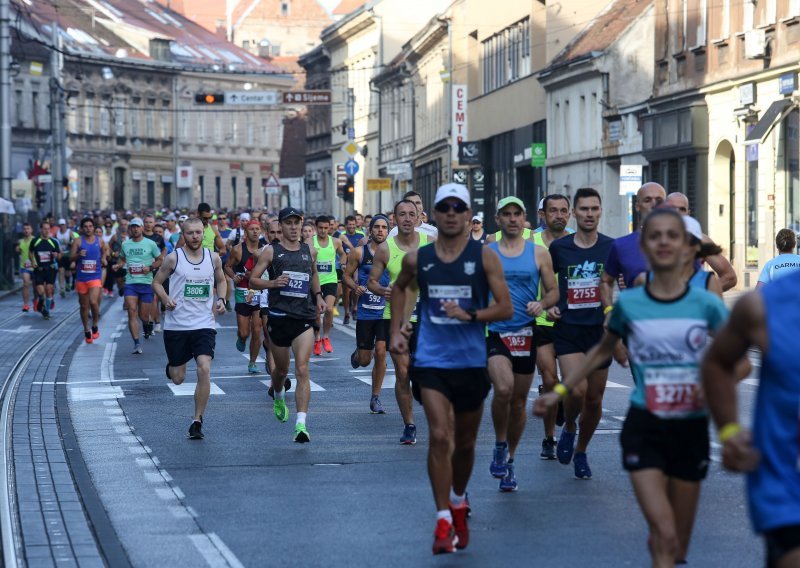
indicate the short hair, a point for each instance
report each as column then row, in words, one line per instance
column 786, row 240
column 44, row 222
column 203, row 208
column 87, row 220
column 150, row 215
column 26, row 224
column 411, row 193
column 190, row 221
column 586, row 192
column 554, row 197
column 350, row 218
column 322, row 219
column 404, row 200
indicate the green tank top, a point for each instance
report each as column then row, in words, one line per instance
column 394, row 266
column 208, row 238
column 542, row 319
column 24, row 253
column 498, row 236
column 325, row 259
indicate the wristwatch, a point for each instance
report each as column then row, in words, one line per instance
column 473, row 315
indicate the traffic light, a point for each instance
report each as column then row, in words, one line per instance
column 209, row 98
column 40, row 198
column 349, row 190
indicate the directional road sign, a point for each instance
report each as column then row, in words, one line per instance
column 351, row 167
column 307, row 97
column 251, row 97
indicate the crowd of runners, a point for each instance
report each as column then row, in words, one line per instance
column 461, row 312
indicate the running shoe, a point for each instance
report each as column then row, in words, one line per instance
column 582, row 470
column 467, row 505
column 87, row 336
column 195, row 431
column 63, row 294
column 252, row 368
column 346, row 320
column 499, row 466
column 240, row 344
column 566, row 446
column 157, row 328
column 354, row 359
column 46, row 314
column 280, row 410
column 95, row 333
column 318, row 347
column 326, row 344
column 548, row 449
column 166, row 371
column 26, row 308
column 335, row 311
column 375, row 406
column 460, row 525
column 509, row 482
column 36, row 305
column 137, row 350
column 301, row 435
column 409, row 437
column 444, row 537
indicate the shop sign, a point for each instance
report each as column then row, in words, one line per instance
column 787, row 83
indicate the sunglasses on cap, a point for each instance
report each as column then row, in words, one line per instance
column 444, row 207
column 476, row 221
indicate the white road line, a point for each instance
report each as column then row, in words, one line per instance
column 369, row 370
column 81, row 394
column 216, row 554
column 345, row 329
column 613, row 385
column 314, row 386
column 388, row 381
column 187, row 389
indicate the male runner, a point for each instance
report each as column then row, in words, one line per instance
column 90, row 254
column 45, row 253
column 328, row 251
column 510, row 344
column 371, row 328
column 115, row 248
column 189, row 328
column 350, row 239
column 295, row 301
column 149, row 230
column 717, row 262
column 429, row 230
column 578, row 260
column 454, row 278
column 389, row 257
column 25, row 264
column 554, row 210
column 769, row 320
column 141, row 257
column 238, row 268
column 64, row 235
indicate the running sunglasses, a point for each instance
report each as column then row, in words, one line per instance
column 444, row 207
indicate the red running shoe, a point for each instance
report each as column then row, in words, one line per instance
column 460, row 525
column 87, row 336
column 25, row 308
column 318, row 347
column 326, row 343
column 444, row 538
column 95, row 334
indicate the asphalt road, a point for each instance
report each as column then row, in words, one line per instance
column 354, row 496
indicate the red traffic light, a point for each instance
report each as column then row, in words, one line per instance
column 209, row 98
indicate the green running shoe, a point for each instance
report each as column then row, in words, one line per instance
column 280, row 410
column 252, row 368
column 301, row 435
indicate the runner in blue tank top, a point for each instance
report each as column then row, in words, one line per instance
column 89, row 255
column 371, row 329
column 510, row 344
column 665, row 446
column 454, row 276
column 769, row 320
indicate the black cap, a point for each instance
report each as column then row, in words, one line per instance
column 287, row 212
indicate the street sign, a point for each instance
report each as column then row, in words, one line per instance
column 351, row 167
column 251, row 97
column 273, row 183
column 469, row 153
column 350, row 148
column 630, row 178
column 379, row 184
column 307, row 97
column 538, row 154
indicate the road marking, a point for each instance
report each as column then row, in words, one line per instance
column 187, row 389
column 613, row 385
column 344, row 329
column 322, row 359
column 81, row 394
column 314, row 386
column 388, row 381
column 214, row 551
column 369, row 370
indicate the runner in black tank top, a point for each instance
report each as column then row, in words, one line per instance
column 295, row 300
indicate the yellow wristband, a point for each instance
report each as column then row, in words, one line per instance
column 729, row 431
column 607, row 309
column 560, row 390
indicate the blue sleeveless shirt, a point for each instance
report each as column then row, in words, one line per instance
column 370, row 306
column 522, row 277
column 443, row 342
column 774, row 488
column 89, row 266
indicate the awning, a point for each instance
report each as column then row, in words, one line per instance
column 768, row 120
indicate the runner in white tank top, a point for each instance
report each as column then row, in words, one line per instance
column 189, row 329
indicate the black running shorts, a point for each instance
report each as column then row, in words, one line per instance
column 569, row 339
column 521, row 364
column 370, row 332
column 678, row 447
column 183, row 346
column 42, row 276
column 780, row 542
column 328, row 289
column 466, row 389
column 544, row 335
column 284, row 330
column 246, row 310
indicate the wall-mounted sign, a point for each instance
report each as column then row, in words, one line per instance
column 630, row 179
column 469, row 153
column 787, row 83
column 747, row 94
column 184, row 175
column 538, row 154
column 459, row 118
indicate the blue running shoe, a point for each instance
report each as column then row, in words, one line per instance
column 252, row 368
column 565, row 447
column 241, row 344
column 582, row 470
column 409, row 437
column 509, row 482
column 499, row 466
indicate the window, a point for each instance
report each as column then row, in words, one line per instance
column 35, row 108
column 184, row 127
column 165, row 120
column 88, row 115
column 771, row 12
column 506, row 56
column 794, row 8
column 284, row 9
column 134, row 122
column 217, row 129
column 119, row 118
column 149, row 119
column 748, row 14
column 105, row 121
column 234, row 131
column 725, row 19
column 700, row 32
column 201, row 129
column 250, row 134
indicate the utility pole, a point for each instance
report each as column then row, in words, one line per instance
column 56, row 127
column 5, row 99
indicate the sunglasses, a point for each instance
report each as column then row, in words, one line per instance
column 476, row 222
column 444, row 207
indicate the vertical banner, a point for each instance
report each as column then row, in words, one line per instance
column 459, row 130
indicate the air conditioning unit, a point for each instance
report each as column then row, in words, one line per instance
column 755, row 44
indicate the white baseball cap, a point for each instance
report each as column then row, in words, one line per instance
column 456, row 190
column 693, row 227
column 244, row 216
column 62, row 221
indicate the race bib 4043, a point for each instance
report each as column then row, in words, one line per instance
column 197, row 290
column 583, row 293
column 438, row 296
column 298, row 285
column 673, row 392
column 520, row 342
column 88, row 266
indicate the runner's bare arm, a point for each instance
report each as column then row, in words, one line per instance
column 159, row 260
column 339, row 248
column 353, row 260
column 73, row 251
column 161, row 276
column 233, row 260
column 218, row 242
column 264, row 262
column 316, row 288
column 714, row 284
column 221, row 283
column 547, row 277
column 490, row 238
column 724, row 270
column 607, row 289
column 379, row 262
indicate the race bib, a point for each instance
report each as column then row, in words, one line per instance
column 518, row 342
column 44, row 257
column 438, row 296
column 88, row 266
column 370, row 301
column 136, row 269
column 298, row 285
column 583, row 293
column 326, row 267
column 252, row 297
column 671, row 392
column 28, row 264
column 197, row 290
